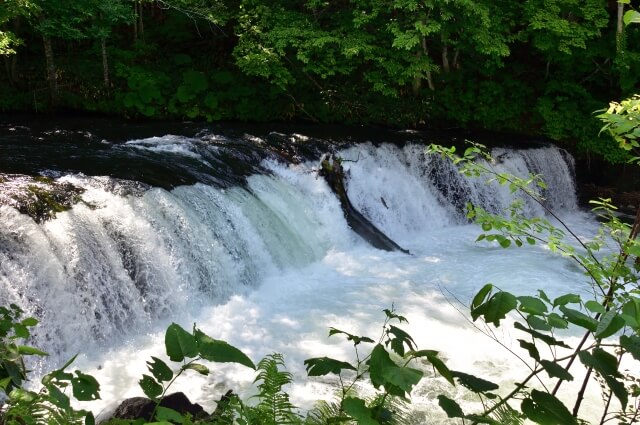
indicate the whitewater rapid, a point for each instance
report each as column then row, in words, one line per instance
column 271, row 265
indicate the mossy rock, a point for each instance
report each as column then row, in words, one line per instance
column 39, row 197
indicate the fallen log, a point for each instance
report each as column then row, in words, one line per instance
column 332, row 171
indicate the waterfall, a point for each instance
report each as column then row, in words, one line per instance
column 123, row 259
column 261, row 255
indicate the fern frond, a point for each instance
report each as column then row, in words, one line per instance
column 274, row 406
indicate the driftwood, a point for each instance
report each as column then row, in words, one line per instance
column 332, row 171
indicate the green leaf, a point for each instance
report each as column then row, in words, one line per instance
column 566, row 299
column 475, row 384
column 4, row 383
column 631, row 17
column 531, row 348
column 504, row 242
column 618, row 389
column 89, row 419
column 481, row 296
column 631, row 344
column 21, row 331
column 555, row 321
column 179, row 343
column 29, row 321
column 358, row 410
column 532, row 305
column 544, row 408
column 452, row 408
column 538, row 323
column 601, row 361
column 160, row 370
column 554, row 370
column 438, row 364
column 200, row 368
column 58, row 398
column 402, row 377
column 609, row 324
column 379, row 365
column 496, row 308
column 631, row 313
column 85, row 387
column 150, row 387
column 320, row 366
column 356, row 339
column 595, row 307
column 166, row 414
column 392, row 315
column 543, row 337
column 399, row 340
column 221, row 352
column 27, row 351
column 580, row 319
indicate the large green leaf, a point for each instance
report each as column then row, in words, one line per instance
column 601, row 361
column 631, row 344
column 566, row 299
column 579, row 318
column 631, row 17
column 609, row 324
column 165, row 414
column 475, row 384
column 220, row 351
column 554, row 370
column 532, row 305
column 452, row 408
column 159, row 370
column 179, row 343
column 384, row 371
column 539, row 335
column 150, row 387
column 25, row 350
column 481, row 296
column 531, row 348
column 403, row 377
column 544, row 408
column 437, row 363
column 85, row 387
column 496, row 308
column 379, row 363
column 618, row 389
column 358, row 410
column 320, row 366
column 399, row 340
column 631, row 313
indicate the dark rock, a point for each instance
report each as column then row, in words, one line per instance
column 142, row 407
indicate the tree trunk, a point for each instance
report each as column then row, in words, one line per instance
column 456, row 59
column 426, row 53
column 141, row 21
column 620, row 28
column 105, row 62
column 135, row 21
column 445, row 58
column 51, row 70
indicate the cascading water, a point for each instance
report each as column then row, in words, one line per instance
column 271, row 264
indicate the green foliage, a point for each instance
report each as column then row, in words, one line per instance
column 50, row 405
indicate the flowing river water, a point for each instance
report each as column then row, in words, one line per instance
column 261, row 256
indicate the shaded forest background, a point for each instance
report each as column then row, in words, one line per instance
column 537, row 67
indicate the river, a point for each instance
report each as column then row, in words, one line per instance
column 210, row 225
